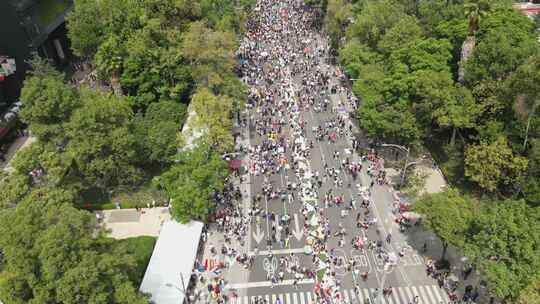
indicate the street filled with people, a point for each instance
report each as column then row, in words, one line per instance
column 311, row 184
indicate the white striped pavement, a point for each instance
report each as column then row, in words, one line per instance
column 427, row 294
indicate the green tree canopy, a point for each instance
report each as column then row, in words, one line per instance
column 448, row 214
column 213, row 119
column 49, row 246
column 47, row 101
column 505, row 240
column 100, row 141
column 190, row 182
column 156, row 131
column 493, row 164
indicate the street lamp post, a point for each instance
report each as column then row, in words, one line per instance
column 407, row 150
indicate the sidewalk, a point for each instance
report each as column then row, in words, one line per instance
column 125, row 223
column 19, row 144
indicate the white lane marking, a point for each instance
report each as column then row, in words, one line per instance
column 428, row 292
column 267, row 298
column 309, row 297
column 278, row 251
column 400, row 295
column 345, row 295
column 297, row 232
column 268, row 284
column 288, row 298
column 416, row 293
column 295, row 298
column 435, row 290
column 273, row 299
column 410, row 296
column 302, row 301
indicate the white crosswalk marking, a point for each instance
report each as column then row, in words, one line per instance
column 365, row 294
column 345, row 296
column 394, row 296
column 400, row 293
column 410, row 296
column 430, row 295
column 437, row 291
column 353, row 296
column 416, row 293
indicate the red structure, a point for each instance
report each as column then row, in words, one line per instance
column 528, row 8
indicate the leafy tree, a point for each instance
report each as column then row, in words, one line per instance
column 339, row 14
column 192, row 180
column 424, row 54
column 531, row 186
column 531, row 294
column 85, row 27
column 211, row 54
column 403, row 32
column 504, row 239
column 14, row 187
column 49, row 246
column 448, row 214
column 354, row 56
column 213, row 119
column 151, row 74
column 48, row 101
column 526, row 84
column 157, row 130
column 374, row 20
column 100, row 141
column 372, row 84
column 441, row 101
column 493, row 164
column 505, row 41
column 396, row 123
column 109, row 60
column 475, row 10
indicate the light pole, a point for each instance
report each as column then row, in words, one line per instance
column 407, row 150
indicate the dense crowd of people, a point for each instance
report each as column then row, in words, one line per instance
column 282, row 60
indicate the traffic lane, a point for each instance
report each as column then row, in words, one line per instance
column 334, row 214
column 393, row 278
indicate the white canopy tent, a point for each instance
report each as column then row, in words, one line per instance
column 172, row 259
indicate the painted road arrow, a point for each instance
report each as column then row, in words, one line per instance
column 258, row 235
column 297, row 232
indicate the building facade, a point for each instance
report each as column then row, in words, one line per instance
column 28, row 26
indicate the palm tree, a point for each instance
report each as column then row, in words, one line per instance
column 474, row 10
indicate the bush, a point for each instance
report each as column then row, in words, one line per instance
column 141, row 249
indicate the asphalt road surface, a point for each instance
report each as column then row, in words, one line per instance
column 408, row 278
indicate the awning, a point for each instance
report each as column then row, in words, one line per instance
column 172, row 259
column 235, row 164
